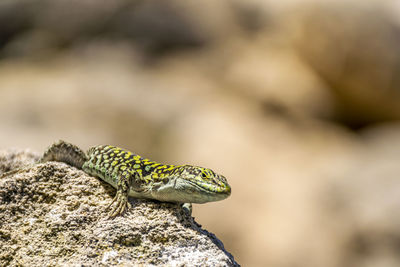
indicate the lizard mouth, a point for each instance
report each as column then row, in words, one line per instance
column 211, row 189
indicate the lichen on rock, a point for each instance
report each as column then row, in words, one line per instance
column 52, row 214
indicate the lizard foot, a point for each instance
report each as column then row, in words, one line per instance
column 121, row 204
column 187, row 207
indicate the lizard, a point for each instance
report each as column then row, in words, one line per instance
column 138, row 177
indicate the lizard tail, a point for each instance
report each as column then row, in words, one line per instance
column 64, row 152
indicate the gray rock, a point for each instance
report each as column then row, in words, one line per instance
column 52, row 214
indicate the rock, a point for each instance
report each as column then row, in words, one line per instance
column 52, row 214
column 156, row 27
column 353, row 47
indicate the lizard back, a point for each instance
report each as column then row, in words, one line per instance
column 107, row 162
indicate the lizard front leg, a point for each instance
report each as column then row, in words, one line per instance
column 121, row 197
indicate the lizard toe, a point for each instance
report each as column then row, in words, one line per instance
column 121, row 202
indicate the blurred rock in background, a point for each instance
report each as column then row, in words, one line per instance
column 354, row 49
column 295, row 102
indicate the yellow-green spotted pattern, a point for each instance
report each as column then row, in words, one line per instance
column 109, row 162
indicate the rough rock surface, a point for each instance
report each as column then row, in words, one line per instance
column 52, row 214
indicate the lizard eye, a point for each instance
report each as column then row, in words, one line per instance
column 203, row 175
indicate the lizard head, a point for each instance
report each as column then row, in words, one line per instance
column 196, row 185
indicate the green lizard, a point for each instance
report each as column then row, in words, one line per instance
column 138, row 177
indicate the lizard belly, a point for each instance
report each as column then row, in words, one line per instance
column 135, row 194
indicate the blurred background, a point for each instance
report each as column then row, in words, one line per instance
column 296, row 102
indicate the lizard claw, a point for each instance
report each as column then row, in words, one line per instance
column 121, row 205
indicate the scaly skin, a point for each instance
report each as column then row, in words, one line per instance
column 138, row 177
